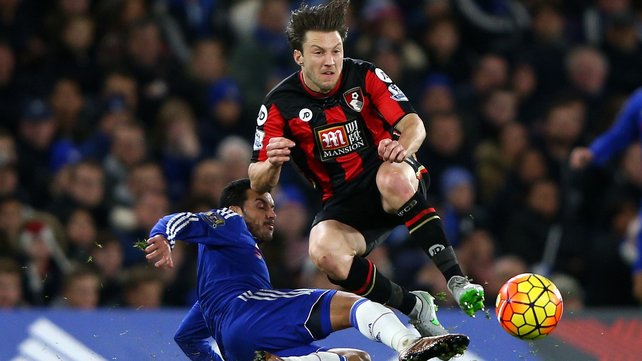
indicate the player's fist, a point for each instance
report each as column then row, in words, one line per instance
column 391, row 151
column 278, row 150
column 159, row 252
column 580, row 157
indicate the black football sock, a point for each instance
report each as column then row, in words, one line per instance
column 365, row 280
column 424, row 226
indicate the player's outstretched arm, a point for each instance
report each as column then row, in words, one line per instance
column 264, row 175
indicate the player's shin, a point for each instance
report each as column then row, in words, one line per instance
column 424, row 226
column 380, row 324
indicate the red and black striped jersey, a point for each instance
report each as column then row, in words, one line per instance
column 336, row 134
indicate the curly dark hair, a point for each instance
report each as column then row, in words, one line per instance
column 328, row 17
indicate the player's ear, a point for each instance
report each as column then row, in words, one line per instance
column 237, row 209
column 298, row 57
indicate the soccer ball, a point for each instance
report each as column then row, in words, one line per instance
column 529, row 306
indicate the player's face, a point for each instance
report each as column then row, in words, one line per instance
column 259, row 215
column 321, row 60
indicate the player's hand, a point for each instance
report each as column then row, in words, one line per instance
column 391, row 151
column 580, row 157
column 159, row 252
column 278, row 150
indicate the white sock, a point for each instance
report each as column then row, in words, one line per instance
column 379, row 323
column 317, row 356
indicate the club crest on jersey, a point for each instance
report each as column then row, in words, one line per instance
column 354, row 98
column 334, row 140
column 213, row 219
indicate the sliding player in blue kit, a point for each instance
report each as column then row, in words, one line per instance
column 238, row 307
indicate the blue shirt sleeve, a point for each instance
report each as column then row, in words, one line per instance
column 623, row 132
column 207, row 228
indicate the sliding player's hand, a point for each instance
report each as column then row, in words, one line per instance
column 159, row 252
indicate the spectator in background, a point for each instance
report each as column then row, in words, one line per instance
column 587, row 70
column 459, row 211
column 497, row 157
column 36, row 135
column 235, row 152
column 444, row 147
column 546, row 49
column 208, row 180
column 85, row 188
column 384, row 22
column 490, row 72
column 81, row 233
column 114, row 113
column 498, row 26
column 178, row 145
column 80, row 289
column 143, row 288
column 442, row 43
column 74, row 57
column 497, row 110
column 43, row 261
column 13, row 212
column 151, row 66
column 147, row 209
column 266, row 42
column 504, row 267
column 476, row 253
column 225, row 115
column 207, row 64
column 146, row 176
column 128, row 148
column 121, row 84
column 107, row 256
column 68, row 107
column 562, row 129
column 538, row 234
column 10, row 92
column 623, row 50
column 11, row 293
column 436, row 96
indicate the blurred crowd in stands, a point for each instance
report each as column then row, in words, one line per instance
column 116, row 112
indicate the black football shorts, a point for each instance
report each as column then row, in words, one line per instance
column 361, row 208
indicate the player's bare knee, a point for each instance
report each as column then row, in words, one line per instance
column 331, row 264
column 395, row 185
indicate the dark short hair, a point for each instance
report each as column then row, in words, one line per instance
column 328, row 17
column 235, row 193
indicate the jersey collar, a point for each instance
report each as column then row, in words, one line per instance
column 318, row 95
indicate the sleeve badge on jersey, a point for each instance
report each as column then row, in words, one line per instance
column 258, row 139
column 396, row 93
column 213, row 219
column 354, row 98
